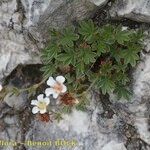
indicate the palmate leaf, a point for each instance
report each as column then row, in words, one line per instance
column 121, row 77
column 106, row 68
column 80, row 69
column 122, row 36
column 130, row 57
column 107, row 34
column 48, row 70
column 68, row 37
column 122, row 92
column 87, row 55
column 120, row 67
column 67, row 58
column 102, row 48
column 137, row 36
column 106, row 84
column 116, row 53
column 50, row 52
column 88, row 30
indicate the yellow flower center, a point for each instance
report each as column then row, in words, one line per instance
column 41, row 105
column 58, row 87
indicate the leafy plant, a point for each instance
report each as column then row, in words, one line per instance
column 88, row 55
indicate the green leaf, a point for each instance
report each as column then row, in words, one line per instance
column 120, row 67
column 70, row 79
column 116, row 53
column 102, row 48
column 80, row 69
column 83, row 103
column 67, row 58
column 58, row 117
column 122, row 36
column 106, row 68
column 107, row 34
column 49, row 53
column 130, row 57
column 68, row 37
column 106, row 84
column 137, row 36
column 122, row 92
column 48, row 70
column 88, row 30
column 87, row 55
column 121, row 77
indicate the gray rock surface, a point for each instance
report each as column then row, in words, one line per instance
column 107, row 124
column 16, row 102
column 138, row 10
column 99, row 2
column 21, row 22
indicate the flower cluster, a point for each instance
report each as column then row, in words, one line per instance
column 56, row 88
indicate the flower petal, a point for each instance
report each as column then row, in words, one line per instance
column 46, row 100
column 51, row 81
column 34, row 102
column 40, row 97
column 64, row 89
column 60, row 79
column 76, row 101
column 1, row 87
column 55, row 95
column 35, row 110
column 49, row 91
column 42, row 111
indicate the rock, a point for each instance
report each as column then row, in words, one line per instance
column 135, row 10
column 140, row 104
column 16, row 102
column 77, row 128
column 113, row 145
column 14, row 42
column 58, row 12
column 9, row 128
column 99, row 2
column 14, row 50
column 62, row 13
column 22, row 21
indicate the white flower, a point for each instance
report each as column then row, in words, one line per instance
column 40, row 104
column 124, row 28
column 56, row 86
column 1, row 87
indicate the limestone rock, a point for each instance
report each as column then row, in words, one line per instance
column 99, row 2
column 16, row 102
column 22, row 21
column 138, row 10
column 15, row 50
